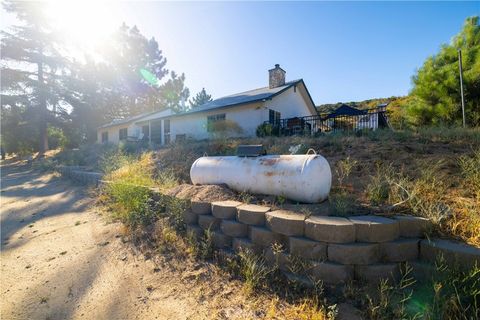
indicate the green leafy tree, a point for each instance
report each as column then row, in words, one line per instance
column 173, row 93
column 31, row 76
column 436, row 91
column 200, row 98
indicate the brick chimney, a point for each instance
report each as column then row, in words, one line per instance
column 276, row 77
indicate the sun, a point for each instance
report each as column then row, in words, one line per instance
column 84, row 23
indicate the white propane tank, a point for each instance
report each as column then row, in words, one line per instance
column 303, row 178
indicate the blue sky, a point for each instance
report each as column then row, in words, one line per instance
column 344, row 51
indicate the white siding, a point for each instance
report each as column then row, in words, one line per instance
column 113, row 132
column 290, row 104
column 194, row 126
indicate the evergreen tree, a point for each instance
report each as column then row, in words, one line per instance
column 200, row 98
column 31, row 72
column 436, row 94
column 173, row 93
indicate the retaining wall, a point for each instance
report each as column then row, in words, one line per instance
column 333, row 249
column 78, row 174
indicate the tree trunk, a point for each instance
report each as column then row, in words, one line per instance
column 43, row 143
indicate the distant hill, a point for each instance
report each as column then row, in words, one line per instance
column 365, row 104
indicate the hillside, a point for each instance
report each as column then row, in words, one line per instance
column 365, row 104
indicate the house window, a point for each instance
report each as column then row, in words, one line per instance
column 146, row 132
column 123, row 133
column 105, row 137
column 180, row 137
column 274, row 117
column 166, row 130
column 213, row 119
column 156, row 131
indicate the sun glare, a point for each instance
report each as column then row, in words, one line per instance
column 84, row 23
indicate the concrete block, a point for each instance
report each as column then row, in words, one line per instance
column 189, row 217
column 252, row 214
column 221, row 240
column 307, row 249
column 354, row 253
column 239, row 244
column 201, row 207
column 331, row 273
column 264, row 237
column 455, row 253
column 375, row 272
column 225, row 209
column 375, row 229
column 195, row 231
column 400, row 250
column 234, row 228
column 413, row 227
column 330, row 229
column 285, row 222
column 279, row 259
column 208, row 222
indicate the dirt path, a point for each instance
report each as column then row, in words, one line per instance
column 60, row 260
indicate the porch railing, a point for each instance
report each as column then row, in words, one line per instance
column 325, row 123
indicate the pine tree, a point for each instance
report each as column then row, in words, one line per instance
column 436, row 92
column 30, row 70
column 200, row 98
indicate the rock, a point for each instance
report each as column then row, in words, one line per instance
column 331, row 273
column 400, row 250
column 354, row 253
column 264, row 237
column 285, row 222
column 375, row 272
column 252, row 214
column 375, row 229
column 234, row 228
column 413, row 227
column 201, row 207
column 208, row 222
column 455, row 253
column 308, row 249
column 330, row 229
column 225, row 209
column 189, row 217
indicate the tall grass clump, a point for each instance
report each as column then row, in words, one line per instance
column 449, row 293
column 128, row 188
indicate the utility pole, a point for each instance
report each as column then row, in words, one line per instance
column 461, row 84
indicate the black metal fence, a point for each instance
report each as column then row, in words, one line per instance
column 372, row 119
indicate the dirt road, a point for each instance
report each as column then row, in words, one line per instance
column 61, row 260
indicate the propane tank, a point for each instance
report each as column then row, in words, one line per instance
column 303, row 178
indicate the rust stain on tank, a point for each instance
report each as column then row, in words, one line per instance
column 270, row 173
column 269, row 161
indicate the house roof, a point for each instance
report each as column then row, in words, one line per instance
column 117, row 122
column 250, row 96
column 345, row 110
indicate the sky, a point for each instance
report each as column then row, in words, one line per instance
column 344, row 51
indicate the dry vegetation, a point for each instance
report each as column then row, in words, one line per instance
column 433, row 174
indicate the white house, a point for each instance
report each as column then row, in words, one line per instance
column 243, row 111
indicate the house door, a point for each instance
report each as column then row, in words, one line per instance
column 156, row 131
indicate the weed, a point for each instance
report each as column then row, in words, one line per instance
column 245, row 197
column 344, row 169
column 253, row 269
column 342, row 202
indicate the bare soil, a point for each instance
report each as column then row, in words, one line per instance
column 62, row 259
